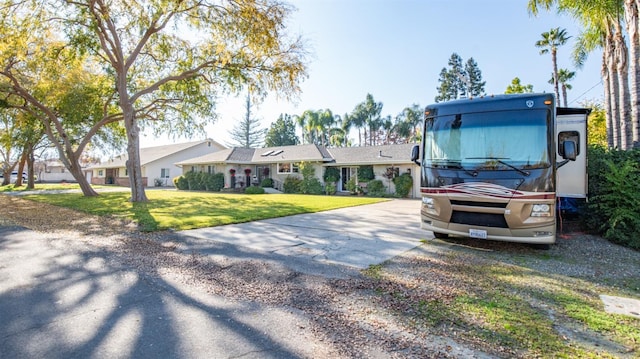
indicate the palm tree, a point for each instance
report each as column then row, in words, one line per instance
column 345, row 124
column 631, row 8
column 564, row 76
column 602, row 28
column 326, row 121
column 300, row 121
column 550, row 42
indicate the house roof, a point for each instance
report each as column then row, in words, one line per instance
column 387, row 154
column 151, row 154
column 311, row 152
column 231, row 155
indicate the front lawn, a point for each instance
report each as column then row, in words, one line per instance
column 187, row 210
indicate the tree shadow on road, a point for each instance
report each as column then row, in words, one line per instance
column 62, row 298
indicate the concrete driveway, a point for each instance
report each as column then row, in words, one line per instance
column 355, row 237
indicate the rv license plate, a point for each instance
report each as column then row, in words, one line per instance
column 477, row 233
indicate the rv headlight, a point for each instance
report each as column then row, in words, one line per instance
column 541, row 210
column 428, row 202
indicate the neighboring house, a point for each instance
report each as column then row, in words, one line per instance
column 53, row 171
column 280, row 162
column 158, row 164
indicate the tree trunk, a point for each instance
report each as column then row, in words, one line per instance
column 133, row 151
column 604, row 71
column 613, row 88
column 72, row 162
column 23, row 159
column 69, row 157
column 554, row 60
column 632, row 19
column 626, row 135
column 30, row 169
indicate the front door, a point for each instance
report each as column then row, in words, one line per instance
column 346, row 174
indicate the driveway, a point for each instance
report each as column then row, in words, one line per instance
column 355, row 237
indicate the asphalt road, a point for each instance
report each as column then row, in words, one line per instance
column 62, row 298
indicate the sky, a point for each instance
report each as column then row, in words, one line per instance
column 395, row 50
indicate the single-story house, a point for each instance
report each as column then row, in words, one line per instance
column 158, row 163
column 53, row 170
column 279, row 162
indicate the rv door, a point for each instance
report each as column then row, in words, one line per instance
column 571, row 125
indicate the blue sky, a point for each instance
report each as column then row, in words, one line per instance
column 396, row 49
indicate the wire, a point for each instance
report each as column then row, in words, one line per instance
column 584, row 93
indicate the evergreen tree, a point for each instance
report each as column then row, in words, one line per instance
column 282, row 132
column 247, row 133
column 458, row 80
column 475, row 85
column 446, row 87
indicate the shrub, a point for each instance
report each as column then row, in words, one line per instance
column 376, row 188
column 215, row 182
column 331, row 174
column 267, row 182
column 310, row 184
column 330, row 188
column 351, row 185
column 181, row 183
column 403, row 183
column 254, row 190
column 365, row 173
column 291, row 184
column 613, row 209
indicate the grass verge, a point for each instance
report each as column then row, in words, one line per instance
column 506, row 309
column 180, row 210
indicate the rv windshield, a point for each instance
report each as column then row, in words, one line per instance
column 497, row 140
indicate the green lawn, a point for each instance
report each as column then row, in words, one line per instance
column 186, row 210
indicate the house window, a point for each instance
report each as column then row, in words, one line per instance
column 126, row 172
column 210, row 169
column 392, row 172
column 100, row 173
column 193, row 168
column 164, row 173
column 284, row 167
column 288, row 168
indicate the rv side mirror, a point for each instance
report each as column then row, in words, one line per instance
column 415, row 154
column 569, row 150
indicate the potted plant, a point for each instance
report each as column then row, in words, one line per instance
column 247, row 174
column 233, row 177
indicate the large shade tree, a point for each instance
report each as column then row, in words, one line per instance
column 169, row 60
column 47, row 80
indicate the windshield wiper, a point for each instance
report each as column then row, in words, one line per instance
column 456, row 165
column 500, row 160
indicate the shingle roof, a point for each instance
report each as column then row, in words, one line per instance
column 311, row 152
column 389, row 154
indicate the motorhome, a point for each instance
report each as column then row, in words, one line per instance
column 495, row 167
